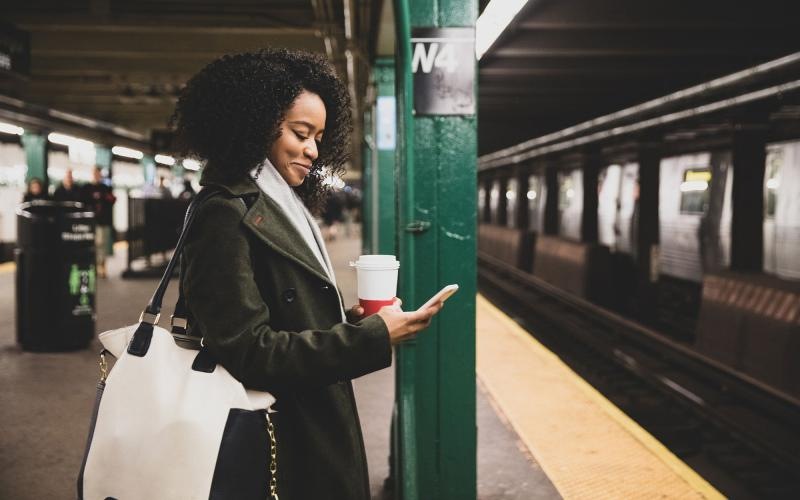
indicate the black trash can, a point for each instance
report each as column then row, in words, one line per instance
column 56, row 276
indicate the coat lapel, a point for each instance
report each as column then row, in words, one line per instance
column 268, row 222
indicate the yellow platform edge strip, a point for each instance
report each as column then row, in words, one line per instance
column 645, row 438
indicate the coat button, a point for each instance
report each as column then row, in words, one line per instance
column 326, row 287
column 289, row 295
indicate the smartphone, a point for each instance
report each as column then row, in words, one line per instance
column 442, row 295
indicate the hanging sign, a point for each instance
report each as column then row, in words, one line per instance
column 443, row 64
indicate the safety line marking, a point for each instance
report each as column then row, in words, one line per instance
column 674, row 463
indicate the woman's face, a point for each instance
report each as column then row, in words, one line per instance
column 297, row 147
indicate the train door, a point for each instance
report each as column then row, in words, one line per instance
column 618, row 194
column 782, row 210
column 628, row 200
column 616, row 203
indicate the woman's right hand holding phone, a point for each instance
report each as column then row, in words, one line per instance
column 405, row 325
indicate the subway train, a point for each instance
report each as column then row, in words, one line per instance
column 649, row 236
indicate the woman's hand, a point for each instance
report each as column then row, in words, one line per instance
column 405, row 325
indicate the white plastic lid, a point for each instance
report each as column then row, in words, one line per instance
column 376, row 262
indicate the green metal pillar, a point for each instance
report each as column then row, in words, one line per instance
column 380, row 198
column 368, row 214
column 36, row 157
column 435, row 431
column 383, row 187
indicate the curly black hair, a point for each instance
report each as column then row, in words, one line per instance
column 229, row 114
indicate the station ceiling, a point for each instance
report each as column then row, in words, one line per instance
column 124, row 62
column 562, row 62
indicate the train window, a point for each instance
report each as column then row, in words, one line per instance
column 511, row 202
column 782, row 210
column 494, row 203
column 772, row 180
column 694, row 190
column 481, row 202
column 535, row 200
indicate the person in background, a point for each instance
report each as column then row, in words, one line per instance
column 35, row 191
column 162, row 189
column 332, row 214
column 100, row 198
column 68, row 191
column 188, row 191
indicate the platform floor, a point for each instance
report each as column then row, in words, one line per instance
column 542, row 431
column 46, row 400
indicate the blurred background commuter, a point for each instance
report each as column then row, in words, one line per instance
column 35, row 191
column 99, row 197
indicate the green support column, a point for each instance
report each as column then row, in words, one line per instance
column 148, row 164
column 435, row 431
column 36, row 157
column 384, row 199
column 103, row 159
column 368, row 215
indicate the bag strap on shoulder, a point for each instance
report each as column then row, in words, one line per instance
column 140, row 342
column 179, row 321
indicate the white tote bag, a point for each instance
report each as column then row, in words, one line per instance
column 169, row 423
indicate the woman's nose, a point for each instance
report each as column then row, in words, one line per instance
column 311, row 151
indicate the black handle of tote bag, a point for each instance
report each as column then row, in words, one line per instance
column 140, row 342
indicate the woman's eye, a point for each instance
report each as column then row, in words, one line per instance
column 300, row 136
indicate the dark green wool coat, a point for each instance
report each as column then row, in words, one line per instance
column 268, row 312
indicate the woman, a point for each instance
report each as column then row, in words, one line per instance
column 258, row 282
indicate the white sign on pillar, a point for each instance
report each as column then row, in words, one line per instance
column 443, row 64
column 386, row 122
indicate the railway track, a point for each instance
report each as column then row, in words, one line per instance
column 741, row 436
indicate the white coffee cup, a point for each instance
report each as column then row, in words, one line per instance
column 377, row 281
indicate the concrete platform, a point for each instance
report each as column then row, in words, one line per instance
column 585, row 444
column 46, row 401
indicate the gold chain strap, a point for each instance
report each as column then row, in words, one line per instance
column 273, row 462
column 103, row 366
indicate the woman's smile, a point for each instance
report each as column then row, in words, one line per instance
column 294, row 151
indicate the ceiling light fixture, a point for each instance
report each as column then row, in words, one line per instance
column 7, row 128
column 495, row 19
column 68, row 140
column 127, row 152
column 190, row 164
column 165, row 160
